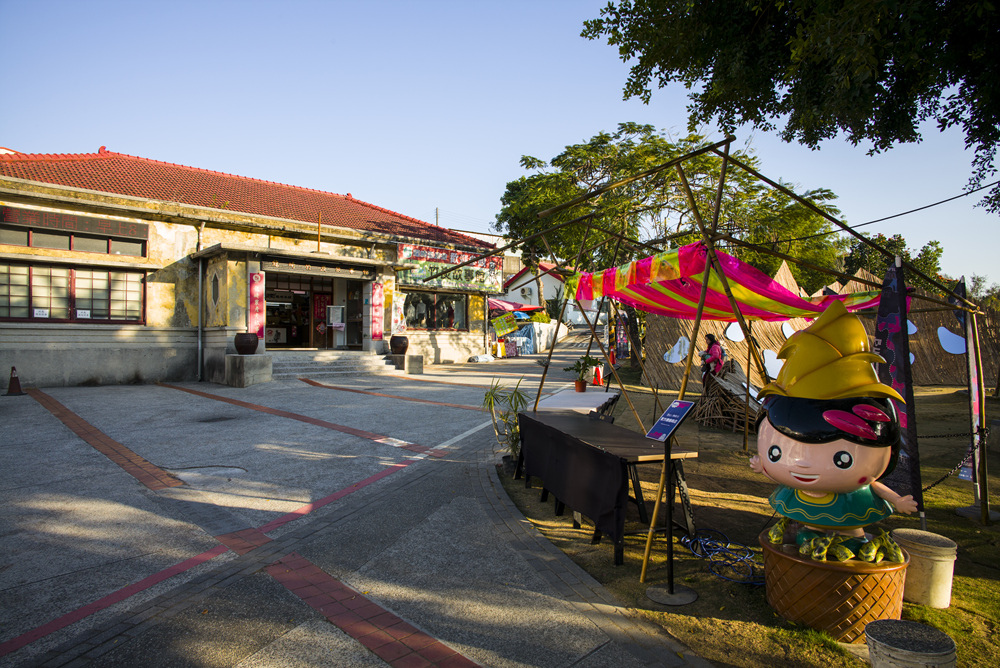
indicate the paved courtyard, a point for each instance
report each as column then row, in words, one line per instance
column 301, row 523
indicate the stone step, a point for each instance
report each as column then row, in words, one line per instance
column 335, row 373
column 329, row 363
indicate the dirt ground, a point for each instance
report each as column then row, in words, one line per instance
column 731, row 623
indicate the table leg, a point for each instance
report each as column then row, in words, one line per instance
column 633, row 474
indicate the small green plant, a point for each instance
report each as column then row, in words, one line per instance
column 540, row 316
column 504, row 404
column 583, row 366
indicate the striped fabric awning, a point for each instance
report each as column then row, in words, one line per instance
column 669, row 284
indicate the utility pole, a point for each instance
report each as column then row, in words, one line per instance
column 436, row 216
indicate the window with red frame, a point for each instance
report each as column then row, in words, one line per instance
column 41, row 292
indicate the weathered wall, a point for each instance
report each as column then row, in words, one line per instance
column 64, row 355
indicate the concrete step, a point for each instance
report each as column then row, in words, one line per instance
column 331, row 363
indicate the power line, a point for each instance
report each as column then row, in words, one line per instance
column 895, row 215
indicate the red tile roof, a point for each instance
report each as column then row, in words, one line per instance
column 542, row 268
column 121, row 174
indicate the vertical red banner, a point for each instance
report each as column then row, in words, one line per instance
column 320, row 301
column 257, row 312
column 378, row 311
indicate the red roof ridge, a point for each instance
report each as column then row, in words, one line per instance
column 103, row 154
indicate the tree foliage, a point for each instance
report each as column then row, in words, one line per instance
column 862, row 256
column 983, row 293
column 658, row 207
column 872, row 69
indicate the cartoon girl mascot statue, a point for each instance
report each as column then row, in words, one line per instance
column 827, row 433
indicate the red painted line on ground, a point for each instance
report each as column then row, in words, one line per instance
column 360, row 433
column 395, row 641
column 144, row 471
column 109, row 600
column 242, row 541
column 390, row 396
column 309, row 507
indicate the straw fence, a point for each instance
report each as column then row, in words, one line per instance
column 931, row 365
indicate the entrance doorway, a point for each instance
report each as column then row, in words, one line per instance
column 296, row 311
column 354, row 315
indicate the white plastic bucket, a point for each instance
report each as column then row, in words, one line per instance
column 931, row 569
column 896, row 643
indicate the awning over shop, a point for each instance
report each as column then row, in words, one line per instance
column 504, row 305
column 669, row 284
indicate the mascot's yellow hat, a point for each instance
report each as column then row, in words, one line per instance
column 830, row 359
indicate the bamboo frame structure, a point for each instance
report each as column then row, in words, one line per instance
column 709, row 236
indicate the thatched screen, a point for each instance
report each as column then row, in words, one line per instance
column 932, row 365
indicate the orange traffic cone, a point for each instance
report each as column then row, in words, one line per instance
column 14, row 386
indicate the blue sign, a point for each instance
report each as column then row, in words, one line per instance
column 670, row 420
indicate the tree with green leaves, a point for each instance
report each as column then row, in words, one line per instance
column 862, row 256
column 656, row 210
column 873, row 70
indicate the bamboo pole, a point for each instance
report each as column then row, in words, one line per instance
column 860, row 237
column 690, row 356
column 713, row 261
column 562, row 311
column 982, row 474
column 514, row 244
column 838, row 274
column 666, row 460
column 649, row 172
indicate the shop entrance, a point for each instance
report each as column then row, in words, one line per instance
column 297, row 311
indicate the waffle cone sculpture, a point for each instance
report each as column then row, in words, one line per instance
column 830, row 359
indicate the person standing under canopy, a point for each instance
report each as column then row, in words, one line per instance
column 711, row 359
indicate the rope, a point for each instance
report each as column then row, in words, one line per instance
column 728, row 560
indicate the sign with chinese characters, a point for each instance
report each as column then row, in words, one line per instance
column 68, row 222
column 378, row 308
column 256, row 313
column 320, row 301
column 504, row 324
column 483, row 273
column 670, row 420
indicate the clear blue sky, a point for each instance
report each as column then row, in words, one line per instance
column 412, row 106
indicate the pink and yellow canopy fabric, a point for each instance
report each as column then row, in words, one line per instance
column 669, row 284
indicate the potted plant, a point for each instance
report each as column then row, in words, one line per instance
column 503, row 405
column 582, row 367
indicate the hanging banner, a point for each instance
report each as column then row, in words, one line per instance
column 398, row 319
column 320, row 302
column 892, row 342
column 504, row 324
column 256, row 311
column 483, row 274
column 378, row 311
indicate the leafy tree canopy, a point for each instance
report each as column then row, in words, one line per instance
column 657, row 207
column 927, row 260
column 873, row 69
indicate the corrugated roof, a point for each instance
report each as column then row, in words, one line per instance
column 131, row 176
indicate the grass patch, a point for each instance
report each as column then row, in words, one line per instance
column 731, row 623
